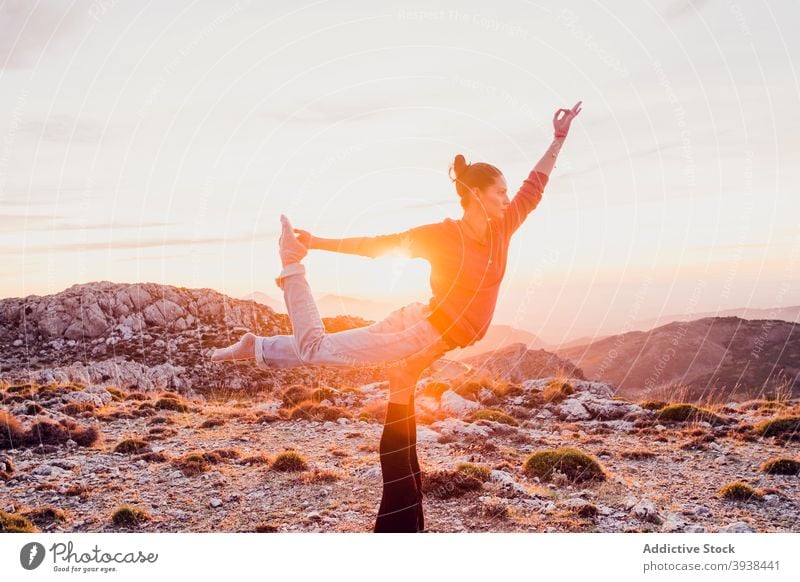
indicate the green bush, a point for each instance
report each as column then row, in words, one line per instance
column 132, row 447
column 12, row 435
column 312, row 411
column 781, row 466
column 557, row 390
column 739, row 491
column 653, row 404
column 788, row 426
column 480, row 472
column 14, row 523
column 289, row 461
column 684, row 412
column 171, row 403
column 576, row 465
column 129, row 516
column 492, row 415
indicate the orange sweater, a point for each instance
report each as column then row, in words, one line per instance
column 465, row 274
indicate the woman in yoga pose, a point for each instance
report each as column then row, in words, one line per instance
column 468, row 262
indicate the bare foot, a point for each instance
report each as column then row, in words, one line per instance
column 244, row 349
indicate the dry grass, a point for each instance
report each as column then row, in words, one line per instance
column 129, row 516
column 289, row 460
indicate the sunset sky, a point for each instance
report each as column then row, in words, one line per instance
column 159, row 142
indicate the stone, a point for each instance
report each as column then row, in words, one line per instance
column 737, row 527
column 455, row 404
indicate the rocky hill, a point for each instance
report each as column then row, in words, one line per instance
column 146, row 336
column 730, row 357
column 517, row 363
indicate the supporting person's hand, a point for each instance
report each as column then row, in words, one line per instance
column 561, row 125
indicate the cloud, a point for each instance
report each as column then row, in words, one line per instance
column 28, row 223
column 65, row 129
column 133, row 244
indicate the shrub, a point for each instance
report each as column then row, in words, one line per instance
column 492, row 415
column 128, row 516
column 683, row 412
column 192, row 464
column 79, row 489
column 256, row 459
column 556, row 391
column 739, row 491
column 786, row 426
column 375, row 411
column 295, row 394
column 132, row 447
column 324, row 393
column 435, row 389
column 781, row 466
column 289, row 461
column 653, row 404
column 312, row 411
column 74, row 408
column 469, row 389
column 12, row 435
column 84, row 436
column 137, row 396
column 576, row 465
column 171, row 403
column 33, row 408
column 319, row 476
column 448, row 484
column 14, row 523
column 151, row 457
column 495, row 508
column 480, row 472
column 638, row 454
column 44, row 516
column 116, row 394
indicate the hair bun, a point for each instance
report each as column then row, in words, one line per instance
column 459, row 167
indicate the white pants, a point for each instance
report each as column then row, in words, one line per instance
column 403, row 333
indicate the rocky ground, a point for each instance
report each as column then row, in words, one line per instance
column 658, row 474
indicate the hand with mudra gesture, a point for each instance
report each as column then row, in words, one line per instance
column 561, row 122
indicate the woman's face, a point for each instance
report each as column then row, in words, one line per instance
column 494, row 198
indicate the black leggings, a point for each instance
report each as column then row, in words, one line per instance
column 401, row 503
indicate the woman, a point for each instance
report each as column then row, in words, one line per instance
column 468, row 262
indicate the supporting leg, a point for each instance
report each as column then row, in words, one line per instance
column 414, row 462
column 401, row 504
column 398, row 509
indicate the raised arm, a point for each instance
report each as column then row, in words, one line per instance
column 530, row 194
